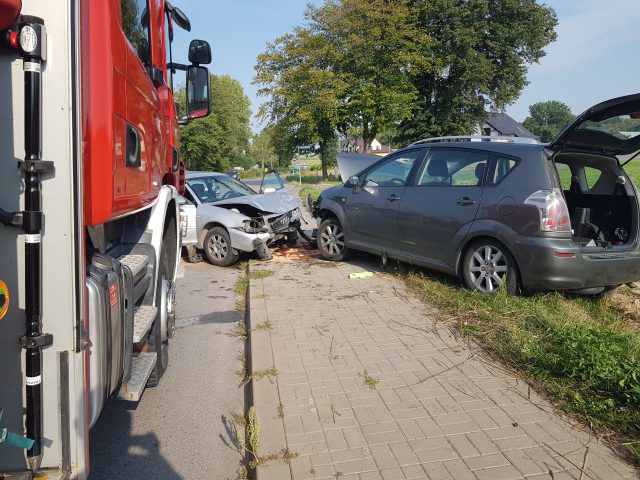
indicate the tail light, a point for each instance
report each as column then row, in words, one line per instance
column 554, row 214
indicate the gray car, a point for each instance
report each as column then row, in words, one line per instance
column 562, row 216
column 230, row 217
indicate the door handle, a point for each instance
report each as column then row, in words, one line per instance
column 132, row 158
column 465, row 201
column 393, row 197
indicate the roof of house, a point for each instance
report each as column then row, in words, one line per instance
column 506, row 125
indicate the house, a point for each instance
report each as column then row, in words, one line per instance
column 356, row 145
column 503, row 124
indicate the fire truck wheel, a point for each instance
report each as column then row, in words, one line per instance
column 158, row 340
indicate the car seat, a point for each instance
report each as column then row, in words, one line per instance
column 479, row 173
column 199, row 190
column 437, row 172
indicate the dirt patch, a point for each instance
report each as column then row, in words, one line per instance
column 301, row 252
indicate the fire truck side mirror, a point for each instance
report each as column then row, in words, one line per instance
column 199, row 52
column 198, row 92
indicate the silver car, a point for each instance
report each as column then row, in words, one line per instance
column 230, row 217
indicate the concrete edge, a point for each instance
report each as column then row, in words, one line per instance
column 263, row 393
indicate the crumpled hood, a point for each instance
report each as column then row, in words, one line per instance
column 276, row 202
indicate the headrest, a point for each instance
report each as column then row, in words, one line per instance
column 480, row 170
column 437, row 168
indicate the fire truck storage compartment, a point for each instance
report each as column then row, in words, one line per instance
column 109, row 327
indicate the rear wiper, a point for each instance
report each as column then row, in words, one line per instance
column 637, row 153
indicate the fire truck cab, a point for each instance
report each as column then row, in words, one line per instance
column 90, row 172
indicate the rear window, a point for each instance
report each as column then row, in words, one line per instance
column 503, row 165
column 592, row 175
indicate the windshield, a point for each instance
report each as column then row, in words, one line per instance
column 213, row 189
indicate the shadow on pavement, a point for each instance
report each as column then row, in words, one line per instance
column 117, row 454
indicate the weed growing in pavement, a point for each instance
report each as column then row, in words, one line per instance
column 242, row 285
column 266, row 325
column 267, row 372
column 583, row 352
column 242, row 371
column 262, row 295
column 248, row 432
column 368, row 380
column 239, row 331
column 280, row 410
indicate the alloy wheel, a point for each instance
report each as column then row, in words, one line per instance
column 487, row 267
column 218, row 247
column 332, row 239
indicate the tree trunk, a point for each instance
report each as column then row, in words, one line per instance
column 323, row 160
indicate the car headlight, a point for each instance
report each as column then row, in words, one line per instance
column 254, row 225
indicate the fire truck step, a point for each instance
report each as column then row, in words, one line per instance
column 137, row 263
column 141, row 369
column 143, row 318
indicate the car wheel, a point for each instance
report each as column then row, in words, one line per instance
column 485, row 266
column 331, row 240
column 217, row 248
column 608, row 292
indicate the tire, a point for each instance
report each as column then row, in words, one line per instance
column 608, row 292
column 217, row 248
column 331, row 240
column 158, row 337
column 484, row 265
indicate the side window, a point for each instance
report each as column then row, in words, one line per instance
column 455, row 168
column 394, row 172
column 564, row 174
column 503, row 166
column 135, row 25
column 592, row 175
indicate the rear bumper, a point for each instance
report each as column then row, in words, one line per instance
column 541, row 268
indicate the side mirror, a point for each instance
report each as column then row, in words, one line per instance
column 354, row 181
column 178, row 17
column 198, row 90
column 199, row 52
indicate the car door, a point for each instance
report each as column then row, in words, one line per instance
column 437, row 209
column 271, row 182
column 372, row 207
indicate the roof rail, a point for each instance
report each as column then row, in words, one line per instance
column 480, row 138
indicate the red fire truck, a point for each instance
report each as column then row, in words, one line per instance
column 90, row 226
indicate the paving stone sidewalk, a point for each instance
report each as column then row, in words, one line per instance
column 439, row 411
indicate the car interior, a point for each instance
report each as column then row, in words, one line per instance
column 600, row 199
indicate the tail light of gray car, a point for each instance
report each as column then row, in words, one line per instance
column 554, row 214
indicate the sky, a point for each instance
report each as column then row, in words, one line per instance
column 594, row 58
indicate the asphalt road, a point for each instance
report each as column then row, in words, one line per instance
column 181, row 429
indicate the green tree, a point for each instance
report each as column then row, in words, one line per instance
column 547, row 119
column 480, row 55
column 294, row 72
column 346, row 69
column 262, row 152
column 220, row 140
column 375, row 46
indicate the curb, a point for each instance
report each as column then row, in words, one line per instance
column 263, row 393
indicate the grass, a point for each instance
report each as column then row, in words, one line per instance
column 310, row 179
column 368, row 380
column 306, row 190
column 583, row 353
column 242, row 285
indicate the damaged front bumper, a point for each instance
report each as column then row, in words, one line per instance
column 261, row 232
